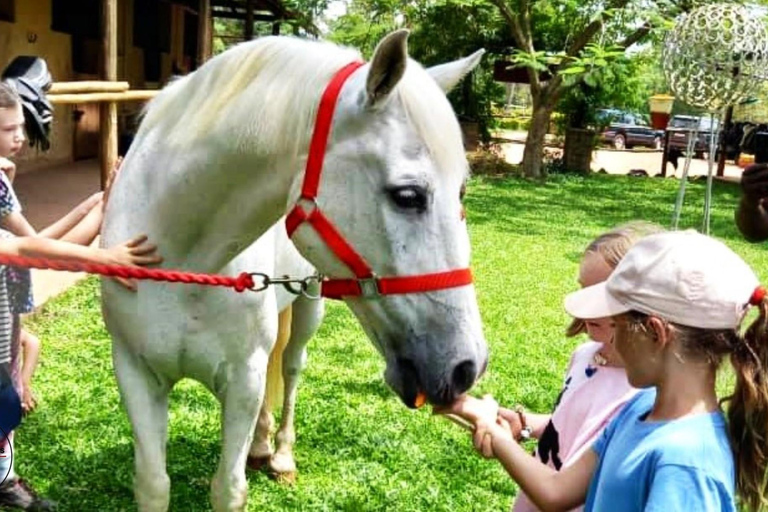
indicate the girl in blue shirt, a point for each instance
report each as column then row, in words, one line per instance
column 677, row 301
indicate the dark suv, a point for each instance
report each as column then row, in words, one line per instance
column 680, row 128
column 623, row 130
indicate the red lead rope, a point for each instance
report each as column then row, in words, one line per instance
column 240, row 283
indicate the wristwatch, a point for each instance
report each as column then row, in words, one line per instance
column 525, row 431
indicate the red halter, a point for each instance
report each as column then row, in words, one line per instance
column 365, row 283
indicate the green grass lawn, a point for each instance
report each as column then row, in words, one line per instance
column 358, row 448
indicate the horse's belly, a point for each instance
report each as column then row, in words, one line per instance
column 187, row 330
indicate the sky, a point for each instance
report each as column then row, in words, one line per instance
column 335, row 9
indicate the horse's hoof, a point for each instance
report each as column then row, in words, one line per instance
column 284, row 477
column 257, row 463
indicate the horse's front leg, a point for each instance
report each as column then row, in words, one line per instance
column 307, row 315
column 240, row 403
column 145, row 395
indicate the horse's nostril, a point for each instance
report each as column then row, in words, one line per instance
column 464, row 376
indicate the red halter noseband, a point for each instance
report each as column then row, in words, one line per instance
column 366, row 283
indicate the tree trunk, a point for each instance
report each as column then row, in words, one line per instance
column 577, row 153
column 533, row 154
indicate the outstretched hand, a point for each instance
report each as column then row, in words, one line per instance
column 28, row 399
column 483, row 414
column 134, row 252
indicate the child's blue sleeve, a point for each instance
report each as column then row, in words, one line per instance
column 686, row 488
column 602, row 440
column 8, row 201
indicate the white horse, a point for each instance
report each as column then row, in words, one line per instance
column 219, row 158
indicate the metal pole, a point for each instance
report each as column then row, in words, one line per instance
column 711, row 167
column 692, row 135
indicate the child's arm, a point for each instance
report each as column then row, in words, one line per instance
column 535, row 422
column 62, row 226
column 130, row 253
column 547, row 488
column 30, row 353
column 133, row 252
column 17, row 224
column 9, row 168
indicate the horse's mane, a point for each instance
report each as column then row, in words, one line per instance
column 268, row 89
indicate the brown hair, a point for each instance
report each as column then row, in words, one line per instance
column 9, row 98
column 748, row 404
column 612, row 246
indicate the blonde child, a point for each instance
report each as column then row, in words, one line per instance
column 595, row 385
column 80, row 226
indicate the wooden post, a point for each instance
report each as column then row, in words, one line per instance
column 248, row 20
column 108, row 110
column 204, row 32
column 665, row 154
column 721, row 142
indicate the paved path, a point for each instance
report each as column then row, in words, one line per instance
column 47, row 195
column 621, row 162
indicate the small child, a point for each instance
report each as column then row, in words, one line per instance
column 80, row 226
column 595, row 386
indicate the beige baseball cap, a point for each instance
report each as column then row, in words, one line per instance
column 681, row 276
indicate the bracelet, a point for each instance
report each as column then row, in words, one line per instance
column 525, row 431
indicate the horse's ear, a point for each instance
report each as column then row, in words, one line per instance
column 449, row 74
column 387, row 66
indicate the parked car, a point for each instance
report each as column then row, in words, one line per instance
column 680, row 129
column 623, row 130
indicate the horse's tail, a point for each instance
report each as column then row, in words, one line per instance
column 273, row 396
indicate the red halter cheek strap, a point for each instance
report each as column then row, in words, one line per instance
column 365, row 283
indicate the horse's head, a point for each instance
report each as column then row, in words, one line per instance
column 392, row 181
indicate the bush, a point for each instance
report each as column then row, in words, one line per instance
column 488, row 160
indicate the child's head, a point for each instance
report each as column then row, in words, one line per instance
column 12, row 135
column 599, row 259
column 678, row 300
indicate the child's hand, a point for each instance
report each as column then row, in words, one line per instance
column 475, row 410
column 486, row 433
column 133, row 253
column 8, row 167
column 28, row 399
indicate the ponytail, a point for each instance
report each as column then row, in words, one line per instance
column 748, row 410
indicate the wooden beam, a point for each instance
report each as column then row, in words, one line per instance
column 204, row 32
column 248, row 20
column 108, row 111
column 241, row 16
column 87, row 86
column 721, row 143
column 102, row 97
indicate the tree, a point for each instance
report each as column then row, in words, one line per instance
column 557, row 38
column 561, row 36
column 441, row 31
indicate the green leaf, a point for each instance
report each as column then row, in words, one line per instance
column 573, row 70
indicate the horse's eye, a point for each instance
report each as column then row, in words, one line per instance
column 409, row 197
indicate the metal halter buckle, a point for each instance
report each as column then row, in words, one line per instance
column 369, row 287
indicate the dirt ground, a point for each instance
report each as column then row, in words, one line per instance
column 621, row 162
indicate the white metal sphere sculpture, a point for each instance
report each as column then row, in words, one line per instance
column 716, row 56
